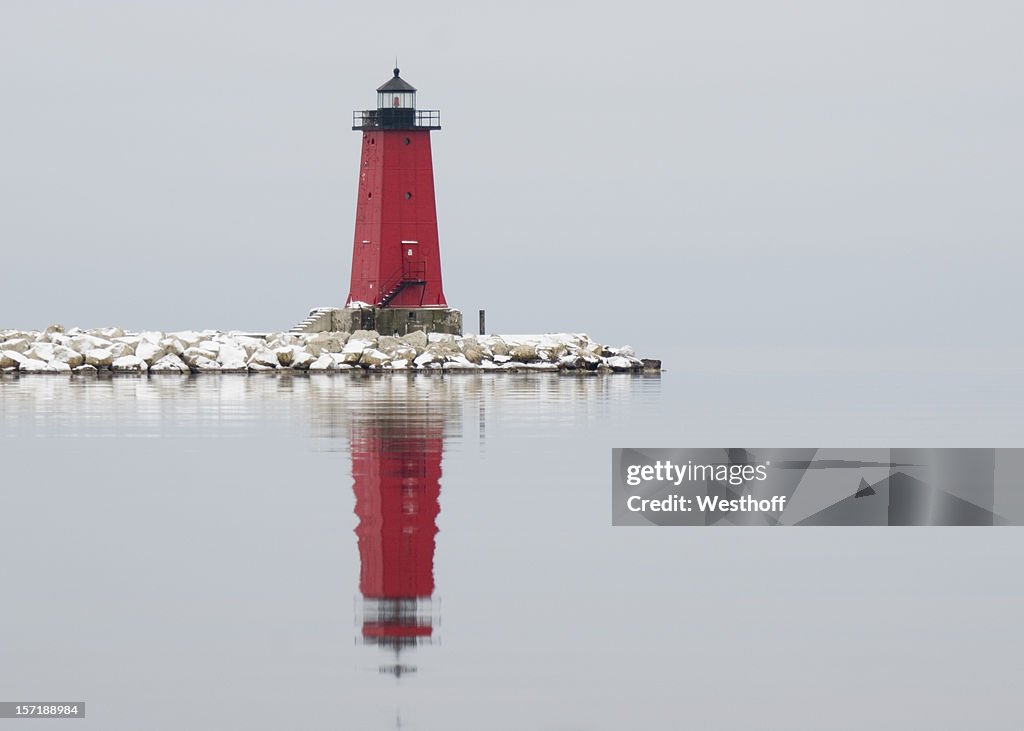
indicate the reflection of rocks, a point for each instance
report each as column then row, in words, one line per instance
column 111, row 349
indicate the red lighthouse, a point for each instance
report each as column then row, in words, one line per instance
column 396, row 262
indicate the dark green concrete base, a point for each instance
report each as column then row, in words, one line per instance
column 398, row 320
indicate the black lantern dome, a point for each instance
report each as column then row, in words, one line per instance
column 396, row 109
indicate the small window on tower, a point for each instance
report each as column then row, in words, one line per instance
column 407, row 140
column 408, row 196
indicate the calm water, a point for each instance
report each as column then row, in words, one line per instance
column 350, row 552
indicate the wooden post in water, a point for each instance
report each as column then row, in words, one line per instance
column 483, row 330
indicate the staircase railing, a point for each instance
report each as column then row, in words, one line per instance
column 414, row 272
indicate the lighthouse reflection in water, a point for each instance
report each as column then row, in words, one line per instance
column 396, row 471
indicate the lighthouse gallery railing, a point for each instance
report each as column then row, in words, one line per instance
column 396, row 119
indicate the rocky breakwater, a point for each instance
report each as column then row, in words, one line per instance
column 112, row 350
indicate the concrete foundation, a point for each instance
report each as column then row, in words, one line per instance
column 385, row 320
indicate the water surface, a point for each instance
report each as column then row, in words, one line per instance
column 370, row 552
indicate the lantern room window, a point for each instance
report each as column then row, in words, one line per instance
column 396, row 99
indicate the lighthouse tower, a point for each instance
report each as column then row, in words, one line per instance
column 396, row 263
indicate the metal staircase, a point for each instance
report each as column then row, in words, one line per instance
column 396, row 289
column 409, row 275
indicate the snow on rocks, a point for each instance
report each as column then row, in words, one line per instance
column 149, row 351
column 301, row 360
column 232, row 357
column 32, row 365
column 129, row 364
column 264, row 358
column 113, row 350
column 99, row 357
column 170, row 363
column 324, row 363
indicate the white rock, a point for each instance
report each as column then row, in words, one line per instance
column 108, row 333
column 374, row 358
column 524, row 353
column 191, row 355
column 324, row 363
column 189, row 338
column 263, row 357
column 85, row 370
column 619, row 363
column 173, row 345
column 84, row 343
column 417, row 339
column 285, row 355
column 150, row 351
column 99, row 357
column 248, row 344
column 32, row 365
column 64, row 354
column 41, row 351
column 459, row 363
column 424, row 359
column 152, row 337
column 17, row 344
column 129, row 364
column 326, row 342
column 498, row 346
column 11, row 358
column 474, row 350
column 121, row 349
column 502, row 358
column 400, row 365
column 369, row 336
column 203, row 364
column 231, row 358
column 358, row 345
column 354, row 348
column 488, row 365
column 279, row 340
column 170, row 363
column 261, row 367
column 301, row 360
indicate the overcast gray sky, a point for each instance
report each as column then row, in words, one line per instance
column 777, row 173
